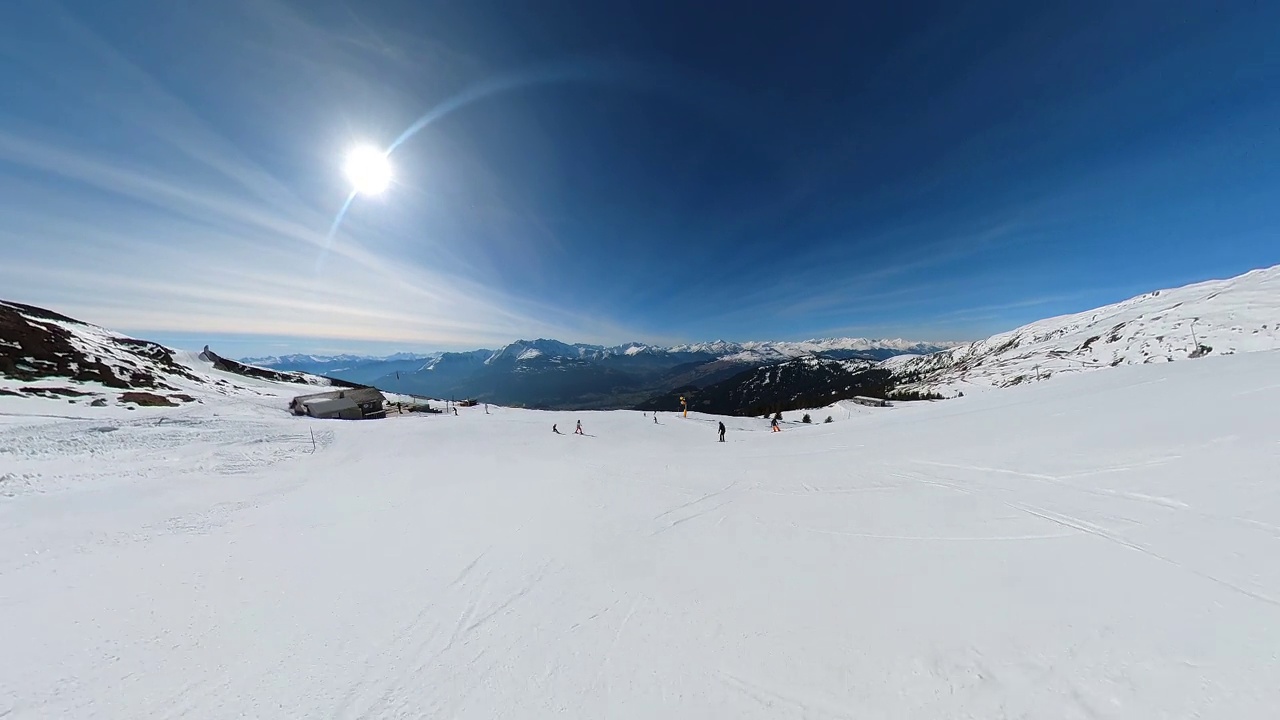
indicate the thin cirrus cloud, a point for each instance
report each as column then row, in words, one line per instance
column 186, row 232
column 190, row 235
column 175, row 173
column 904, row 289
column 150, row 252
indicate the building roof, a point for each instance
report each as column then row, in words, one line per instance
column 364, row 395
column 327, row 406
column 328, row 395
column 359, row 395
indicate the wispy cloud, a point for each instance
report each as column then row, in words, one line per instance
column 835, row 282
column 190, row 235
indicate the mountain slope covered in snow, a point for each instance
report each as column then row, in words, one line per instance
column 1241, row 314
column 1084, row 548
column 47, row 355
column 1219, row 317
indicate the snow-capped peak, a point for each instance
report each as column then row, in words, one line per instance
column 271, row 361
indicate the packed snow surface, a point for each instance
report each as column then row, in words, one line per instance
column 1100, row 546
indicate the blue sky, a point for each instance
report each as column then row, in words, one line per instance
column 604, row 172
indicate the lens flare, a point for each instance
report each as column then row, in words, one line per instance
column 368, row 169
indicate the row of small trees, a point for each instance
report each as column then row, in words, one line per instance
column 914, row 395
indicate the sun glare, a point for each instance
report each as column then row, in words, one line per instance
column 368, row 170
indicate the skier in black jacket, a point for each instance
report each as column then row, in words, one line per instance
column 721, row 432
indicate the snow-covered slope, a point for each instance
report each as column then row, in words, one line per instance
column 1102, row 546
column 1221, row 317
column 44, row 355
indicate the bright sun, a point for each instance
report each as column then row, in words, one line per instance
column 368, row 170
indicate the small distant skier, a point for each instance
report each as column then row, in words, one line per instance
column 773, row 425
column 555, row 429
column 455, row 411
column 722, row 432
column 655, row 418
column 578, row 430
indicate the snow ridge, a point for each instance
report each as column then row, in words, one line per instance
column 1219, row 317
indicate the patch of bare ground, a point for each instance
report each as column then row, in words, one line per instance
column 54, row 392
column 146, row 399
column 36, row 344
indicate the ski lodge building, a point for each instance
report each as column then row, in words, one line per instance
column 344, row 404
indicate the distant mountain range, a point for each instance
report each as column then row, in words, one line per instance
column 1220, row 317
column 47, row 355
column 553, row 374
column 364, row 369
column 272, row 360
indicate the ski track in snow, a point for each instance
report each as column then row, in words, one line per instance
column 691, row 516
column 1090, row 529
column 1101, row 546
